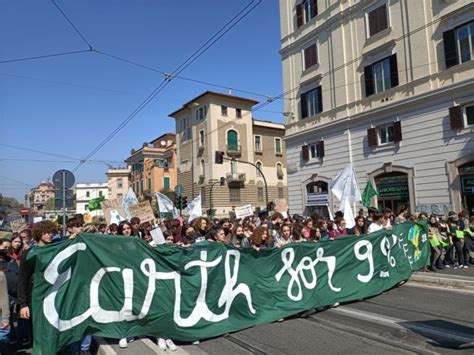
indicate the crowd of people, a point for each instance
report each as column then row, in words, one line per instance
column 451, row 238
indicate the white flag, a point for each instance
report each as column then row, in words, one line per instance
column 165, row 205
column 346, row 188
column 129, row 200
column 194, row 209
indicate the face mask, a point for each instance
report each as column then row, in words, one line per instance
column 241, row 236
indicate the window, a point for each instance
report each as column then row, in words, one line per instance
column 316, row 150
column 258, row 143
column 141, row 186
column 149, row 184
column 100, row 193
column 88, row 194
column 310, row 56
column 378, row 20
column 223, row 110
column 187, row 129
column 86, row 207
column 201, row 113
column 232, row 140
column 465, row 41
column 201, row 138
column 277, row 145
column 119, row 183
column 469, row 114
column 234, row 194
column 459, row 44
column 279, row 169
column 238, row 113
column 311, row 102
column 202, row 167
column 385, row 135
column 280, row 192
column 381, row 75
column 259, row 165
column 119, row 196
column 306, row 11
column 166, row 182
column 260, row 194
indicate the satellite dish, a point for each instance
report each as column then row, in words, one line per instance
column 163, row 143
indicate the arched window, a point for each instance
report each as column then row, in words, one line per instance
column 279, row 171
column 259, row 165
column 202, row 167
column 232, row 140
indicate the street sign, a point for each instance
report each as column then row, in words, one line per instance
column 178, row 189
column 63, row 179
column 25, row 210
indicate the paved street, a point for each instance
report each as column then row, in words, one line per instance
column 405, row 320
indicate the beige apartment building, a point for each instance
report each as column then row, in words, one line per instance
column 153, row 166
column 118, row 180
column 219, row 122
column 36, row 198
column 387, row 85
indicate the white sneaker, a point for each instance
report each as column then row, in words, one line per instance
column 123, row 343
column 162, row 344
column 170, row 345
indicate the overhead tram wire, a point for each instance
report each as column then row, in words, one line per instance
column 72, row 25
column 208, row 44
column 45, row 56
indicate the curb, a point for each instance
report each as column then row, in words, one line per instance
column 445, row 282
column 103, row 348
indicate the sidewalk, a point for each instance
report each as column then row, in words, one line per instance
column 455, row 279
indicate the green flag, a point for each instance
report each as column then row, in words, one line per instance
column 94, row 204
column 368, row 193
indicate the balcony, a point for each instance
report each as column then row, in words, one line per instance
column 236, row 178
column 234, row 150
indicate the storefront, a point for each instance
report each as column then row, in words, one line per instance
column 466, row 175
column 393, row 190
column 317, row 199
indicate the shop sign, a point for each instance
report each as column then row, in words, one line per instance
column 317, row 199
column 467, row 184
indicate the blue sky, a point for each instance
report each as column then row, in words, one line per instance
column 67, row 105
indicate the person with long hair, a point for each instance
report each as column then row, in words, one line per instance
column 360, row 227
column 239, row 239
column 434, row 238
column 126, row 228
column 261, row 238
column 340, row 230
column 201, row 226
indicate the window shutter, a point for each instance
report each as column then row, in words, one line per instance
column 397, row 131
column 393, row 70
column 304, row 106
column 382, row 17
column 307, row 57
column 373, row 28
column 314, row 5
column 372, row 137
column 320, row 99
column 299, row 15
column 321, row 149
column 369, row 80
column 456, row 117
column 305, row 152
column 450, row 53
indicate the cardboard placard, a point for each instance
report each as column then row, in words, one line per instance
column 143, row 211
column 244, row 211
column 116, row 202
column 18, row 225
column 281, row 205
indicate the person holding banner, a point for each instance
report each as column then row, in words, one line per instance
column 201, row 227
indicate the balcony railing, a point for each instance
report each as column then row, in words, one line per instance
column 236, row 177
column 234, row 150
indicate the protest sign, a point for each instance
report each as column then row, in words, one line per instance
column 157, row 236
column 18, row 225
column 244, row 211
column 114, row 203
column 37, row 219
column 114, row 215
column 207, row 289
column 143, row 211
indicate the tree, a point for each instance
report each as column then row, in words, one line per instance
column 49, row 204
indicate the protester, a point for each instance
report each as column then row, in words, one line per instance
column 377, row 222
column 4, row 313
column 340, row 229
column 360, row 227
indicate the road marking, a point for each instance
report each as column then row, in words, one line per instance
column 468, row 339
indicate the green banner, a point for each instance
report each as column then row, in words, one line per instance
column 117, row 286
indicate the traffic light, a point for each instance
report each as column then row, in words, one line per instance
column 178, row 202
column 219, row 157
column 184, row 202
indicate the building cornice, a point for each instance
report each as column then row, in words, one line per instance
column 414, row 100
